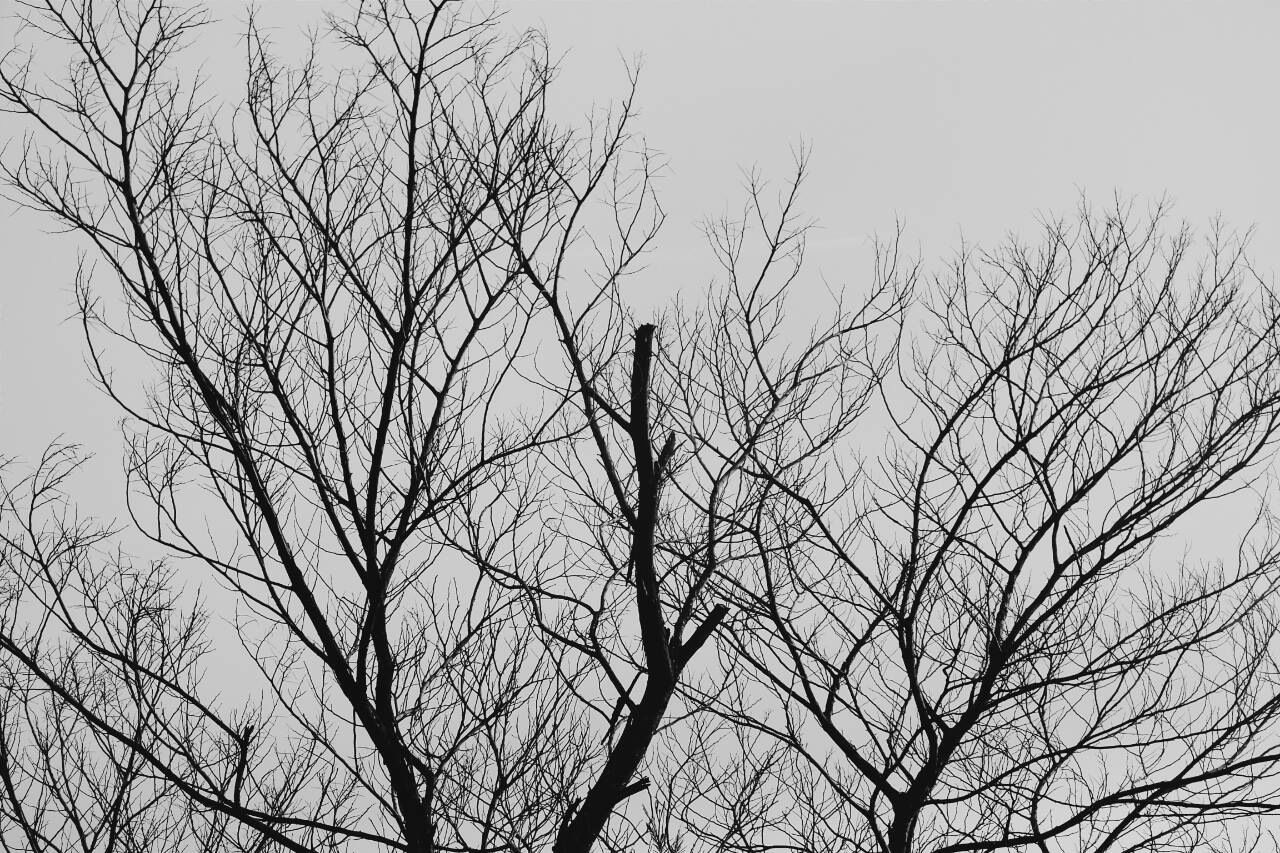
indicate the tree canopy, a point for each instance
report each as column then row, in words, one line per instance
column 459, row 553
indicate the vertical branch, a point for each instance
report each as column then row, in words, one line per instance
column 664, row 658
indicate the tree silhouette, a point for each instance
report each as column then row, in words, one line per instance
column 347, row 291
column 980, row 638
column 494, row 565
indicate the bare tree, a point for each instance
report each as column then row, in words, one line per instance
column 363, row 427
column 983, row 636
column 473, row 528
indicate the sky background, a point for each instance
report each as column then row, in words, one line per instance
column 962, row 120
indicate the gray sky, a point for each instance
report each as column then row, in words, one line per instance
column 959, row 118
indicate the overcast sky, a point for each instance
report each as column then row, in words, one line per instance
column 958, row 118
